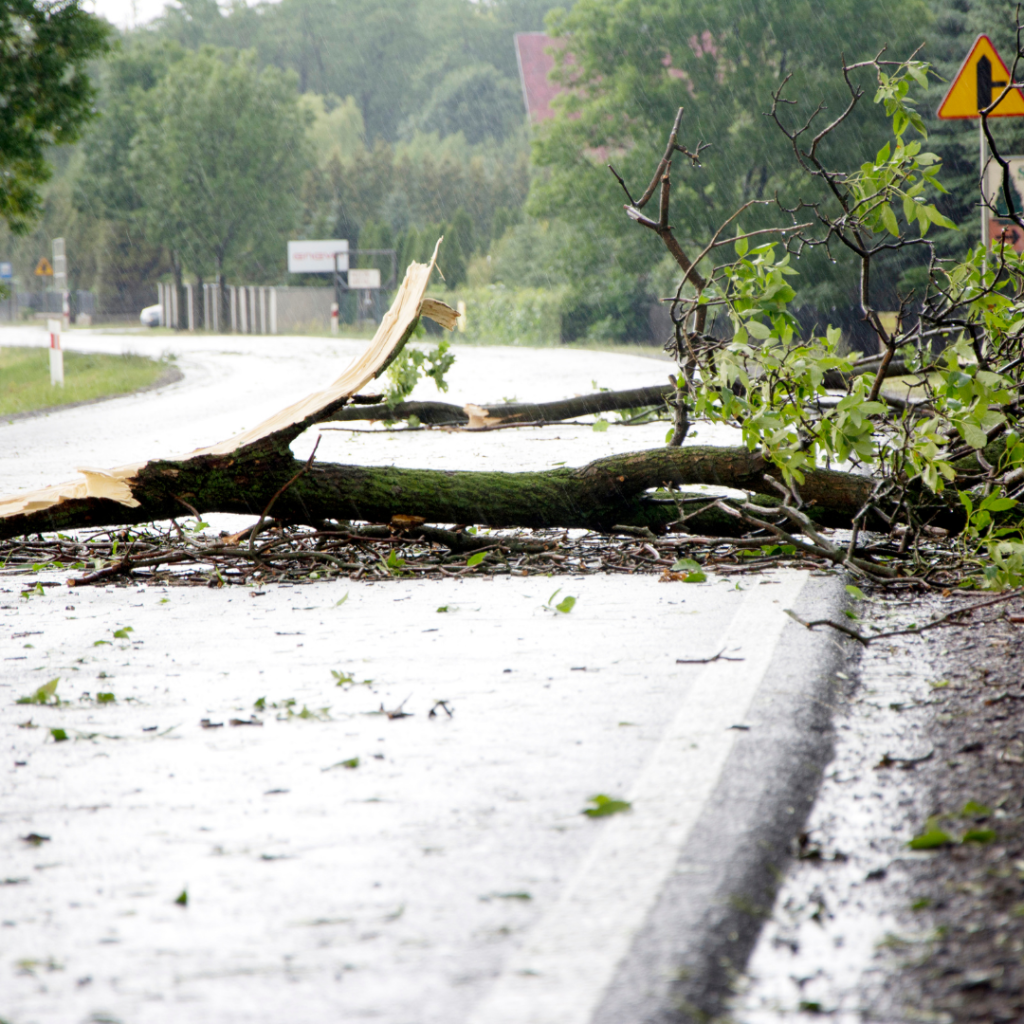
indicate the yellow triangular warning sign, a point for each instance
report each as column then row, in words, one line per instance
column 980, row 81
column 43, row 268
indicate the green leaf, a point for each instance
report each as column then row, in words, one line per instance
column 475, row 559
column 973, row 435
column 59, row 735
column 605, row 805
column 566, row 605
column 889, row 221
column 182, row 900
column 600, row 426
column 759, row 330
column 931, row 838
column 685, row 564
column 741, row 246
column 445, row 608
column 105, row 698
column 338, row 604
column 855, row 592
column 352, row 762
column 122, row 634
column 43, row 695
column 978, row 835
column 972, row 809
column 994, row 503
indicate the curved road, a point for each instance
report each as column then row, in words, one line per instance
column 450, row 876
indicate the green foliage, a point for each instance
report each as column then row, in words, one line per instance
column 605, row 806
column 46, row 97
column 218, row 160
column 691, row 569
column 348, row 679
column 412, row 364
column 500, row 315
column 59, row 735
column 46, row 694
column 182, row 898
column 632, row 63
column 931, row 838
column 564, row 606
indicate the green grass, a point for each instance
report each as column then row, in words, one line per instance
column 25, row 378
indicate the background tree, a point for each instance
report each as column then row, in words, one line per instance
column 218, row 163
column 45, row 94
column 631, row 63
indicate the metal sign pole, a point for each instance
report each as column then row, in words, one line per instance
column 985, row 212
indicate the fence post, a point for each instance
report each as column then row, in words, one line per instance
column 273, row 311
column 232, row 289
column 190, row 305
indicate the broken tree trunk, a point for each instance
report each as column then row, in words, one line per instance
column 600, row 496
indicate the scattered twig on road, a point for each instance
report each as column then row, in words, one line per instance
column 720, row 656
column 943, row 620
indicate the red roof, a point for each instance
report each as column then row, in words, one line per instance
column 535, row 65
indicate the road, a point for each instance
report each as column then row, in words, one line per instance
column 451, row 875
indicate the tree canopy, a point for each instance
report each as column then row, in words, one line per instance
column 218, row 161
column 45, row 94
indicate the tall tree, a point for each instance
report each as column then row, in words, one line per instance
column 218, row 160
column 46, row 96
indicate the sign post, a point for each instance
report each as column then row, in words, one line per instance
column 60, row 279
column 56, row 354
column 6, row 275
column 983, row 78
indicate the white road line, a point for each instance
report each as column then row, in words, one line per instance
column 566, row 963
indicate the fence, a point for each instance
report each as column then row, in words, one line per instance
column 42, row 304
column 254, row 309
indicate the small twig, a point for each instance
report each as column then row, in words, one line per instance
column 720, row 656
column 279, row 492
column 191, row 508
column 943, row 620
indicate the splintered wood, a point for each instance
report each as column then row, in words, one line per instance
column 394, row 330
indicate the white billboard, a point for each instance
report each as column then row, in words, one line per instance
column 364, row 279
column 317, row 257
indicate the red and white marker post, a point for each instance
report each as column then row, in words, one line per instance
column 56, row 354
column 334, row 318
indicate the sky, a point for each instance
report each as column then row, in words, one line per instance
column 126, row 13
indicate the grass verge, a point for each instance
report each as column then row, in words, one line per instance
column 25, row 378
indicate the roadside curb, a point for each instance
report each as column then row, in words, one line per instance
column 696, row 939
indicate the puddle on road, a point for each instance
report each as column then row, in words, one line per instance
column 826, row 947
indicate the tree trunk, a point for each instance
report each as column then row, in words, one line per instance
column 606, row 493
column 179, row 291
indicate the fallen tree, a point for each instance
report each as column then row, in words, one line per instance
column 946, row 458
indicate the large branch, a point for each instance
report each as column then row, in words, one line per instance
column 599, row 496
column 510, row 412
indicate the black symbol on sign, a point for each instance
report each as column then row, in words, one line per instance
column 985, row 83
